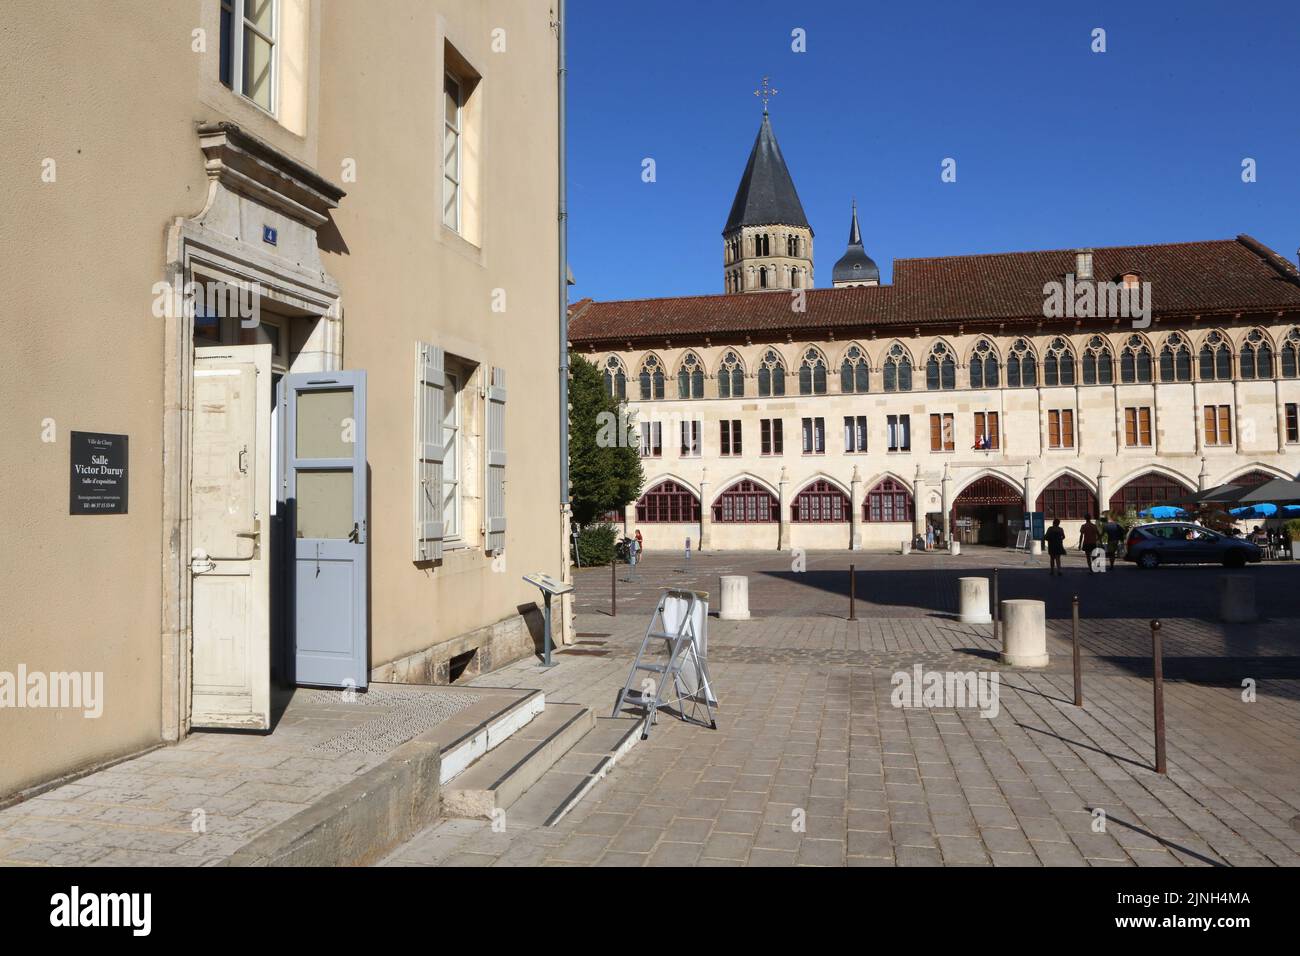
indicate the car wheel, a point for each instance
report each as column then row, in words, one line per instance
column 1234, row 559
column 1148, row 560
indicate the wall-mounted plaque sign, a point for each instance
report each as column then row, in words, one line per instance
column 99, row 473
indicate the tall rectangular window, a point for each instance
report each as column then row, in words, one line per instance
column 451, row 456
column 941, row 433
column 1218, row 424
column 814, row 436
column 690, row 440
column 986, row 430
column 1060, row 428
column 900, row 432
column 454, row 101
column 771, row 435
column 855, row 433
column 1137, row 427
column 248, row 52
column 729, row 436
column 1292, row 422
column 652, row 439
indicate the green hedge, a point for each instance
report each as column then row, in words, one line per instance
column 596, row 544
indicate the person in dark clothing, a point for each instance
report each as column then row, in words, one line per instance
column 1055, row 538
column 1114, row 538
column 1089, row 536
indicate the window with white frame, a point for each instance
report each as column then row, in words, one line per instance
column 451, row 454
column 454, row 102
column 900, row 432
column 690, row 440
column 652, row 439
column 855, row 433
column 248, row 50
column 814, row 436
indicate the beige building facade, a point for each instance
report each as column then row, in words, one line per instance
column 297, row 264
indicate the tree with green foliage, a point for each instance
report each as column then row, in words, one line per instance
column 604, row 463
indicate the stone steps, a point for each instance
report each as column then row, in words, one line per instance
column 500, row 777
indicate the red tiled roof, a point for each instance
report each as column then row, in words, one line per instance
column 1219, row 276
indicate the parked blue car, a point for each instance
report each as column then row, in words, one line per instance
column 1179, row 542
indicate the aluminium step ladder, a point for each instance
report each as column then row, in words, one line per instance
column 681, row 644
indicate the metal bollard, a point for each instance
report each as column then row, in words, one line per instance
column 853, row 593
column 1157, row 671
column 1078, row 675
column 613, row 588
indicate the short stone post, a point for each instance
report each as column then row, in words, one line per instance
column 954, row 546
column 973, row 597
column 1024, row 633
column 1237, row 599
column 905, row 547
column 735, row 597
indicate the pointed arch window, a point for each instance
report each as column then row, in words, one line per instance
column 771, row 375
column 1175, row 359
column 1069, row 498
column 668, row 502
column 940, row 368
column 854, row 373
column 746, row 502
column 690, row 377
column 1022, row 366
column 1098, row 363
column 820, row 502
column 1291, row 354
column 1256, row 356
column 652, row 379
column 898, row 370
column 1216, row 359
column 615, row 377
column 1058, row 364
column 984, row 365
column 1135, row 361
column 888, row 501
column 812, row 373
column 731, row 377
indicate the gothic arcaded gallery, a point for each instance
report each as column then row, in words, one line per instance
column 779, row 415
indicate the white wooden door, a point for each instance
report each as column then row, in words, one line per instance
column 230, row 491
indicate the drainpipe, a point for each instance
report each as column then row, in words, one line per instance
column 567, row 635
column 563, row 222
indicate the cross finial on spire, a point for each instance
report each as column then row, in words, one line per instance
column 765, row 93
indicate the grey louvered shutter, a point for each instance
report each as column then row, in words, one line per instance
column 494, row 492
column 429, row 414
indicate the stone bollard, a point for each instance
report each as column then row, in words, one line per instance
column 1237, row 599
column 1035, row 546
column 954, row 547
column 1024, row 633
column 735, row 597
column 905, row 547
column 973, row 596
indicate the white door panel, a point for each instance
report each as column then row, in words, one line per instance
column 230, row 491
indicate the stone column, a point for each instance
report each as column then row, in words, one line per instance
column 1103, row 486
column 783, row 533
column 855, row 512
column 946, row 488
column 918, row 503
column 1035, row 546
column 706, row 513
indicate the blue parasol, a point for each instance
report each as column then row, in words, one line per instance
column 1261, row 510
column 1162, row 512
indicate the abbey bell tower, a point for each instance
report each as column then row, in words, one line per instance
column 767, row 242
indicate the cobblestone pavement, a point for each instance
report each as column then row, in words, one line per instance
column 807, row 733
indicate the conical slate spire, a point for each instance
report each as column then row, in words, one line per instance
column 766, row 195
column 855, row 266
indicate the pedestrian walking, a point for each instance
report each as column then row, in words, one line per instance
column 1114, row 536
column 929, row 537
column 1055, row 538
column 1089, row 537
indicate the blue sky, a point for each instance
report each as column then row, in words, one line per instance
column 1056, row 146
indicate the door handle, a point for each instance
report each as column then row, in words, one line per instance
column 255, row 534
column 354, row 535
